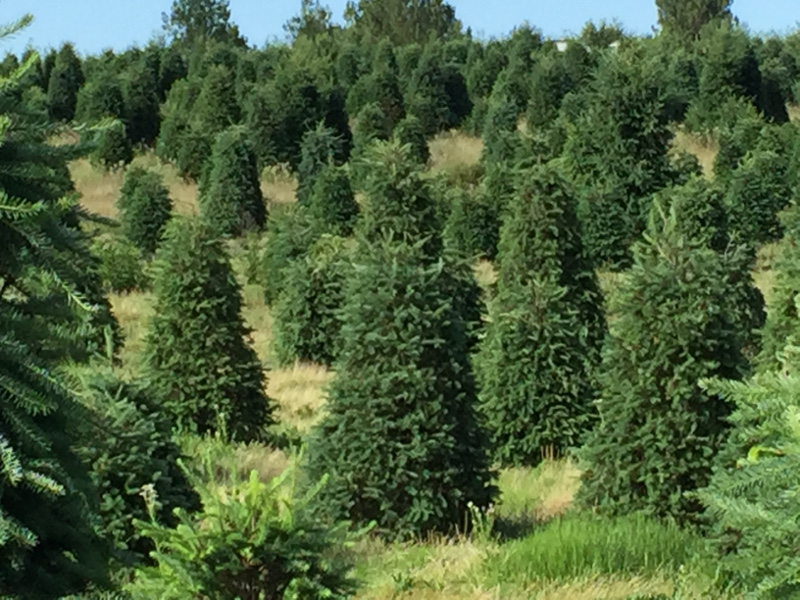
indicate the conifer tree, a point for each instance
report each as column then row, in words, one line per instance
column 65, row 80
column 332, row 204
column 206, row 375
column 216, row 108
column 537, row 364
column 473, row 225
column 101, row 97
column 370, row 126
column 231, row 199
column 410, row 131
column 144, row 208
column 319, row 149
column 676, row 323
column 49, row 549
column 141, row 104
column 112, row 148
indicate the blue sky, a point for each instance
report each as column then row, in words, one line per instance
column 93, row 25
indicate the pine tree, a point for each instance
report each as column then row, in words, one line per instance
column 676, row 322
column 332, row 204
column 100, row 98
column 65, row 80
column 319, row 149
column 216, row 108
column 207, row 377
column 473, row 225
column 231, row 200
column 410, row 131
column 141, row 105
column 403, row 378
column 685, row 19
column 538, row 363
column 49, row 549
column 112, row 149
column 144, row 208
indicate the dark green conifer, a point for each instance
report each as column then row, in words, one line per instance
column 99, row 98
column 319, row 149
column 332, row 204
column 410, row 131
column 112, row 148
column 144, row 208
column 206, row 375
column 141, row 104
column 216, row 108
column 66, row 78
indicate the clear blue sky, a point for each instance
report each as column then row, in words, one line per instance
column 93, row 25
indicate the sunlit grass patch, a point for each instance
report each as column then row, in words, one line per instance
column 454, row 149
column 133, row 312
column 278, row 185
column 299, row 391
column 704, row 148
column 530, row 495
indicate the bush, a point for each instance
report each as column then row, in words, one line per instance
column 112, row 149
column 205, row 374
column 144, row 208
column 677, row 320
column 131, row 448
column 231, row 200
column 581, row 546
column 537, row 363
column 120, row 267
column 332, row 205
column 251, row 538
column 306, row 319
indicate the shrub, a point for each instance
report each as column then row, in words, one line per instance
column 112, row 150
column 537, row 363
column 144, row 208
column 206, row 376
column 131, row 448
column 251, row 538
column 403, row 378
column 290, row 234
column 231, row 200
column 332, row 205
column 305, row 318
column 677, row 319
column 120, row 267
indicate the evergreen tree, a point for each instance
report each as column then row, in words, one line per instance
column 677, row 322
column 144, row 208
column 410, row 131
column 49, row 549
column 216, row 108
column 403, row 378
column 206, row 376
column 370, row 126
column 685, row 19
column 473, row 225
column 101, row 97
column 65, row 80
column 537, row 365
column 195, row 21
column 112, row 148
column 172, row 68
column 231, row 200
column 332, row 205
column 319, row 149
column 141, row 105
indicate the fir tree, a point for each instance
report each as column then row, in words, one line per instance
column 537, row 365
column 144, row 208
column 49, row 549
column 100, row 98
column 207, row 377
column 112, row 149
column 319, row 149
column 65, row 80
column 141, row 105
column 410, row 131
column 676, row 322
column 231, row 199
column 216, row 108
column 332, row 204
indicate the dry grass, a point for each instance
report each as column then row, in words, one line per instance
column 278, row 185
column 705, row 149
column 133, row 312
column 794, row 112
column 452, row 150
column 538, row 494
column 299, row 392
column 485, row 273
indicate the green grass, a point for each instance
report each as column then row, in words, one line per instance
column 580, row 545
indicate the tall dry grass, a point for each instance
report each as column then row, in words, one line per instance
column 453, row 149
column 704, row 148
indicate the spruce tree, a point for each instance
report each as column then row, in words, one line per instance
column 141, row 104
column 537, row 365
column 112, row 149
column 332, row 204
column 319, row 149
column 49, row 549
column 473, row 225
column 216, row 108
column 410, row 131
column 676, row 322
column 231, row 199
column 144, row 208
column 101, row 97
column 206, row 376
column 65, row 80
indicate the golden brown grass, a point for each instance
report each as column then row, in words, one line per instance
column 538, row 494
column 133, row 312
column 794, row 111
column 299, row 391
column 278, row 185
column 485, row 273
column 705, row 149
column 453, row 149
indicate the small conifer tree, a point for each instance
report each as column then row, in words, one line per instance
column 319, row 149
column 537, row 364
column 112, row 149
column 207, row 376
column 144, row 208
column 231, row 200
column 409, row 131
column 332, row 205
column 677, row 321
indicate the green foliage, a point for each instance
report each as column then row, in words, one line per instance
column 473, row 225
column 685, row 20
column 750, row 496
column 427, row 96
column 99, row 98
column 581, row 546
column 410, row 131
column 740, row 134
column 66, row 78
column 332, row 205
column 144, row 208
column 499, row 130
column 403, row 378
column 677, row 320
column 216, row 108
column 112, row 148
column 290, row 234
column 537, row 364
column 758, row 190
column 319, row 149
column 130, row 448
column 140, row 86
column 403, row 21
column 49, row 548
column 206, row 375
column 253, row 539
column 120, row 267
column 196, row 21
column 306, row 322
column 232, row 201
